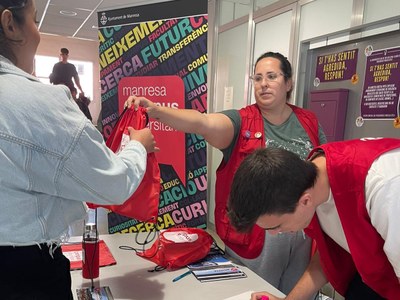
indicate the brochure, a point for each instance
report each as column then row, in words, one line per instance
column 98, row 293
column 210, row 261
column 215, row 267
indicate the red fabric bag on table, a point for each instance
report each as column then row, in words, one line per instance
column 177, row 247
column 143, row 204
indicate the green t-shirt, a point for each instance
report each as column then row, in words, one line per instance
column 289, row 135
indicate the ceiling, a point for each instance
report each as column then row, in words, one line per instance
column 82, row 23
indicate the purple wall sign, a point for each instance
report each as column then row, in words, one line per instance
column 337, row 66
column 380, row 95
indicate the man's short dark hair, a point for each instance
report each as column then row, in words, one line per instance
column 268, row 181
column 64, row 51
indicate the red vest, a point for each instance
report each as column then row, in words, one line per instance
column 347, row 166
column 251, row 136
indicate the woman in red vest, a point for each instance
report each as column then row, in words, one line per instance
column 346, row 197
column 271, row 122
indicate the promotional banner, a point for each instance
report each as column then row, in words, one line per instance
column 380, row 95
column 159, row 51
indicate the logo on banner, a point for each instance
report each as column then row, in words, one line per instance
column 103, row 19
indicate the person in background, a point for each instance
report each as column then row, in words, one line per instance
column 274, row 123
column 345, row 196
column 63, row 72
column 82, row 102
column 52, row 158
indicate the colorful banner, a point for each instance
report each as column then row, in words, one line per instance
column 380, row 97
column 337, row 66
column 160, row 51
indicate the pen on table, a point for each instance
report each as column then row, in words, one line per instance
column 181, row 276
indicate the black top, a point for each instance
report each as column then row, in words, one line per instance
column 63, row 73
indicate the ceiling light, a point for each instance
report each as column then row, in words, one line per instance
column 68, row 13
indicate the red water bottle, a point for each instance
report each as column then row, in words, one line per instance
column 90, row 252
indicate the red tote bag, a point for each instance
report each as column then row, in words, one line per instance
column 143, row 204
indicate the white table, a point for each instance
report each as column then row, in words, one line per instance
column 130, row 279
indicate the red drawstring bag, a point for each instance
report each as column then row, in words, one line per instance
column 143, row 204
column 177, row 247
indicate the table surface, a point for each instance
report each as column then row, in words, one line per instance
column 130, row 277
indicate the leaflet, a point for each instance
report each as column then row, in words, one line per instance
column 215, row 267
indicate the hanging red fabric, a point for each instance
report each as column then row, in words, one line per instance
column 143, row 204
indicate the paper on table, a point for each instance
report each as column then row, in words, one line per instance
column 74, row 253
column 99, row 293
column 242, row 296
